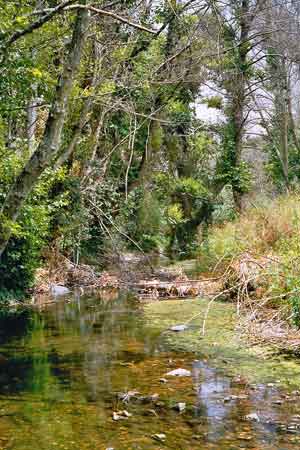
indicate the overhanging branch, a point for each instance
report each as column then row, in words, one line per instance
column 102, row 12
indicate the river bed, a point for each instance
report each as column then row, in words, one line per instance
column 61, row 370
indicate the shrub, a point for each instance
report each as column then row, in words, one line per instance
column 271, row 228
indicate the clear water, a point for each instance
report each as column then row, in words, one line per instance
column 61, row 370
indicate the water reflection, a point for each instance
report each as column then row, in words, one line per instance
column 60, row 370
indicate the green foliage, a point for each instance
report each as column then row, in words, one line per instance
column 274, row 166
column 175, row 214
column 214, row 102
column 22, row 256
column 230, row 170
column 145, row 222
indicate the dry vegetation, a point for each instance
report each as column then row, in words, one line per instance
column 258, row 256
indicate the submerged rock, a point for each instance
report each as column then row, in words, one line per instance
column 252, row 417
column 127, row 396
column 179, row 373
column 234, row 397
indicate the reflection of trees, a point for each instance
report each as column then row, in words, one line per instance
column 74, row 342
column 13, row 324
column 67, row 366
column 225, row 419
column 96, row 334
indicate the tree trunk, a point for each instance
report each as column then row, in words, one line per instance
column 49, row 145
column 239, row 95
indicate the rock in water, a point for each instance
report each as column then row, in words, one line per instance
column 58, row 290
column 178, row 328
column 253, row 417
column 179, row 373
column 119, row 415
column 180, row 406
column 159, row 437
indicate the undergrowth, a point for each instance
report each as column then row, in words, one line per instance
column 267, row 229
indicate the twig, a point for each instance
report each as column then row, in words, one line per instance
column 122, row 233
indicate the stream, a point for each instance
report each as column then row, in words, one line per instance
column 64, row 370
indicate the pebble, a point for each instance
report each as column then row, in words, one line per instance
column 178, row 328
column 163, row 380
column 234, row 397
column 120, row 415
column 253, row 417
column 180, row 406
column 179, row 373
column 159, row 437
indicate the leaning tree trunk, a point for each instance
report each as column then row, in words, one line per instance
column 49, row 145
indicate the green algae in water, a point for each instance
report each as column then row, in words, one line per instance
column 60, row 372
column 220, row 344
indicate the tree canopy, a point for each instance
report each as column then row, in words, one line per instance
column 138, row 123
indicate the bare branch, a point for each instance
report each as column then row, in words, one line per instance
column 103, row 12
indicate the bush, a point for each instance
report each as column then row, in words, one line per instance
column 271, row 228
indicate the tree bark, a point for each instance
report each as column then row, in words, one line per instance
column 239, row 94
column 49, row 145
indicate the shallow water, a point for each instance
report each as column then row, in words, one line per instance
column 61, row 370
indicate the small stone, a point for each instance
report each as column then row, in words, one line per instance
column 163, row 380
column 253, row 417
column 117, row 416
column 127, row 396
column 234, row 397
column 178, row 328
column 179, row 373
column 149, row 398
column 120, row 415
column 196, row 436
column 152, row 412
column 159, row 437
column 180, row 406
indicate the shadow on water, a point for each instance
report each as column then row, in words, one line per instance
column 61, row 370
